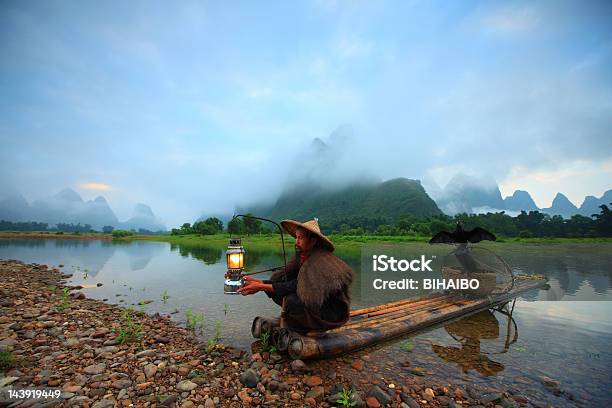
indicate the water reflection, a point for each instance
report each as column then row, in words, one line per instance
column 469, row 332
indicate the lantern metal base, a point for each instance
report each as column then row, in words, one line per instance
column 231, row 286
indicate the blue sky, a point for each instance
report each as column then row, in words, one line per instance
column 171, row 103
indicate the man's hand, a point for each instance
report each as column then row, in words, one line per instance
column 255, row 286
column 250, row 279
column 250, row 288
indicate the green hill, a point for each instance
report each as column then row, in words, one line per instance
column 364, row 205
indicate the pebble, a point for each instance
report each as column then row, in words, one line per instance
column 372, row 402
column 95, row 369
column 186, row 385
column 316, row 393
column 381, row 396
column 313, row 381
column 249, row 378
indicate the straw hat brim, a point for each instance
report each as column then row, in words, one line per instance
column 291, row 226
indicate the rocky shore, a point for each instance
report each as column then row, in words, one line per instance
column 102, row 355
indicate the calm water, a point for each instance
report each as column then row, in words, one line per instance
column 563, row 333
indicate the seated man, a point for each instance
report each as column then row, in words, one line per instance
column 314, row 288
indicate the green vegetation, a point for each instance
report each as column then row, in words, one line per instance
column 346, row 398
column 210, row 226
column 194, row 321
column 366, row 205
column 118, row 234
column 7, row 360
column 407, row 228
column 265, row 342
column 165, row 296
column 218, row 326
column 407, row 345
column 128, row 330
column 65, row 300
column 213, row 341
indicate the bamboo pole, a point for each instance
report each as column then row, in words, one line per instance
column 404, row 311
column 390, row 304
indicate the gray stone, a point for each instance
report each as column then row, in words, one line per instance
column 122, row 383
column 150, row 370
column 186, row 385
column 491, row 397
column 315, row 392
column 379, row 394
column 168, row 401
column 105, row 403
column 145, row 353
column 299, row 366
column 95, row 369
column 408, row 400
column 249, row 378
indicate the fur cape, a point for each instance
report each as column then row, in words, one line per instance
column 321, row 275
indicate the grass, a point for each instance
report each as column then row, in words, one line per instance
column 65, row 300
column 194, row 321
column 165, row 296
column 346, row 398
column 128, row 331
column 7, row 360
column 407, row 345
column 267, row 241
column 265, row 342
column 213, row 341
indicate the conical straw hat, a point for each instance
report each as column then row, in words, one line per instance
column 313, row 226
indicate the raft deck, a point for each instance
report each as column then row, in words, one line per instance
column 375, row 324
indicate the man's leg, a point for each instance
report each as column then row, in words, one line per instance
column 296, row 316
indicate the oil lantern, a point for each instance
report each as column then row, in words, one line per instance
column 235, row 266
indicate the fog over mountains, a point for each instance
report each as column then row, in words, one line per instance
column 323, row 184
column 326, row 180
column 480, row 195
column 67, row 206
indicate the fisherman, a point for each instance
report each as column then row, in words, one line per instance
column 313, row 289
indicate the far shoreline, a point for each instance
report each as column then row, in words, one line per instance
column 267, row 240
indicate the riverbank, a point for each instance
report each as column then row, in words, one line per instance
column 344, row 241
column 266, row 241
column 53, row 235
column 51, row 335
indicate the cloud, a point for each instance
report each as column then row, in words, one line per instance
column 95, row 186
column 544, row 183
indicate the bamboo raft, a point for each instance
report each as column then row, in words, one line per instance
column 375, row 324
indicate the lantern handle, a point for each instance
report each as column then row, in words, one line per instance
column 280, row 229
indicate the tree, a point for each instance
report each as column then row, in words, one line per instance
column 107, row 229
column 251, row 225
column 186, row 229
column 235, row 226
column 210, row 226
column 603, row 221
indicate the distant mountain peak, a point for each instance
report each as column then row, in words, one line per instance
column 143, row 210
column 520, row 200
column 100, row 199
column 68, row 194
column 562, row 200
